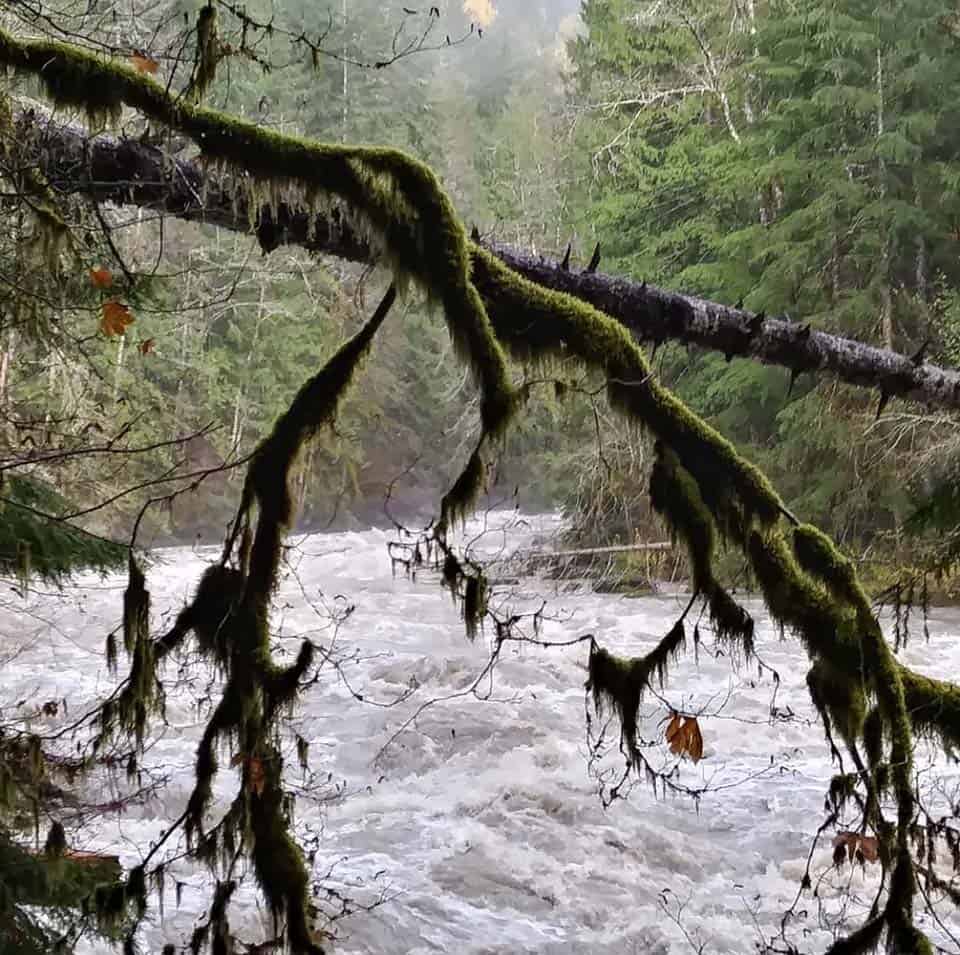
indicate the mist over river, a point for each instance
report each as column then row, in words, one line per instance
column 478, row 826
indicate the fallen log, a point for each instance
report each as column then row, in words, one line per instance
column 133, row 172
column 593, row 551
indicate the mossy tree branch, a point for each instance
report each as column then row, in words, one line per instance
column 706, row 488
column 130, row 172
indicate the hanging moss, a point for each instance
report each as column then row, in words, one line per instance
column 278, row 861
column 474, row 603
column 904, row 936
column 555, row 325
column 862, row 942
column 706, row 489
column 399, row 197
column 674, row 495
column 234, row 622
column 458, row 501
column 217, row 597
column 618, row 683
column 818, row 556
column 873, row 737
column 136, row 606
column 208, row 52
column 934, row 707
column 842, row 701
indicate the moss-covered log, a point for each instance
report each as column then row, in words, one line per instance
column 131, row 172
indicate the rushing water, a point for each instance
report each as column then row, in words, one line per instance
column 478, row 826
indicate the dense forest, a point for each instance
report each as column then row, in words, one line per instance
column 829, row 202
column 292, row 195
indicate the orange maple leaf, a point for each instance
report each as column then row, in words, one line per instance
column 143, row 63
column 101, row 277
column 114, row 318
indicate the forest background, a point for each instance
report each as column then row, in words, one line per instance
column 797, row 164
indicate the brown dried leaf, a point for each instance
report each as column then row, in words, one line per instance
column 143, row 63
column 684, row 737
column 867, row 846
column 694, row 740
column 101, row 277
column 673, row 729
column 115, row 318
column 256, row 774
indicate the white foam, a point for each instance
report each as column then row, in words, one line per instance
column 480, row 821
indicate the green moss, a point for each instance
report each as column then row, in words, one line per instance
column 862, row 942
column 903, row 936
column 843, row 701
column 474, row 603
column 278, row 862
column 230, row 614
column 818, row 556
column 457, row 502
column 398, row 196
column 535, row 323
column 619, row 683
column 703, row 487
column 136, row 606
column 827, row 627
column 208, row 52
column 675, row 495
column 934, row 707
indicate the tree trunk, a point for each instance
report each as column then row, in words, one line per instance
column 127, row 172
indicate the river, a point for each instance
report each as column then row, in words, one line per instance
column 477, row 827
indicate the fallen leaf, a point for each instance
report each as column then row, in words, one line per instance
column 694, row 740
column 143, row 63
column 101, row 278
column 146, row 346
column 115, row 318
column 673, row 728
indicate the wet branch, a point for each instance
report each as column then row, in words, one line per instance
column 132, row 172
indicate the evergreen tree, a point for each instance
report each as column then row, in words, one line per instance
column 801, row 163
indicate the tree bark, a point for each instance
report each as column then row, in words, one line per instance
column 131, row 172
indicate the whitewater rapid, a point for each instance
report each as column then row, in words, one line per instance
column 478, row 827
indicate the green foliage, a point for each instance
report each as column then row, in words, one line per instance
column 826, row 189
column 59, row 886
column 34, row 542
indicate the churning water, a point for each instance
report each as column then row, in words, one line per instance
column 477, row 825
